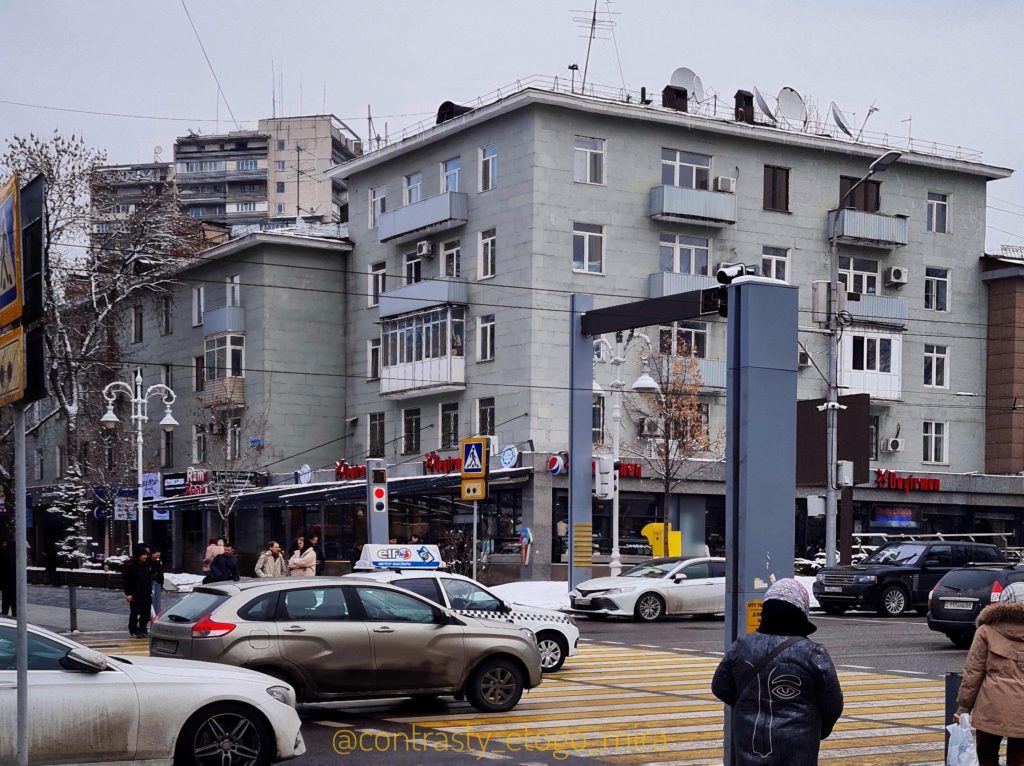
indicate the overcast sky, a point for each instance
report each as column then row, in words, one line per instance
column 954, row 67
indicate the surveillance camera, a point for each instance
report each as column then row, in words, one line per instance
column 727, row 272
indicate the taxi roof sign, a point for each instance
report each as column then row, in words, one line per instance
column 474, row 457
column 416, row 556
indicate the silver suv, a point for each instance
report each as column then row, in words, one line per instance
column 335, row 639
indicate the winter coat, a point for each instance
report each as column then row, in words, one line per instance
column 223, row 568
column 992, row 690
column 269, row 566
column 137, row 580
column 303, row 563
column 212, row 551
column 156, row 571
column 8, row 566
column 781, row 716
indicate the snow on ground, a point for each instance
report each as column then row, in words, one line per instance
column 542, row 593
column 181, row 582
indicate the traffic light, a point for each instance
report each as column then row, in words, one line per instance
column 377, row 490
column 604, row 478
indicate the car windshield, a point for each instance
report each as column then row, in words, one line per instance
column 654, row 568
column 896, row 553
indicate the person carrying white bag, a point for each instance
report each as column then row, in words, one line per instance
column 962, row 750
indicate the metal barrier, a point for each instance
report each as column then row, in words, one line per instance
column 952, row 689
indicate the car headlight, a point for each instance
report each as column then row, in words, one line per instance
column 627, row 589
column 820, row 577
column 865, row 579
column 575, row 594
column 282, row 694
column 529, row 634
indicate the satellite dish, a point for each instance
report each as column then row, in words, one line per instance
column 762, row 104
column 688, row 79
column 697, row 94
column 840, row 120
column 792, row 108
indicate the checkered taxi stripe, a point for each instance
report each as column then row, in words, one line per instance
column 514, row 616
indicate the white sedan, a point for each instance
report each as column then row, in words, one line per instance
column 85, row 707
column 655, row 588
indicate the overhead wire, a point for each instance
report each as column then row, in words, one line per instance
column 209, row 63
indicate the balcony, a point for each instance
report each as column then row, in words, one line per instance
column 428, row 376
column 854, row 227
column 223, row 319
column 223, row 393
column 877, row 309
column 669, row 283
column 421, row 219
column 437, row 291
column 679, row 205
column 713, row 373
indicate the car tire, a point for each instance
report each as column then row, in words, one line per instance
column 834, row 609
column 553, row 650
column 893, row 601
column 961, row 640
column 650, row 607
column 495, row 686
column 201, row 738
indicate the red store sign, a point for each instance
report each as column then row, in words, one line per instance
column 434, row 463
column 886, row 479
column 345, row 472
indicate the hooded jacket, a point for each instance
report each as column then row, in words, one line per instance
column 781, row 716
column 271, row 566
column 992, row 690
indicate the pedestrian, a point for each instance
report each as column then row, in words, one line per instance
column 8, row 584
column 271, row 562
column 138, row 592
column 318, row 549
column 355, row 554
column 156, row 571
column 303, row 560
column 992, row 690
column 215, row 548
column 224, row 566
column 782, row 687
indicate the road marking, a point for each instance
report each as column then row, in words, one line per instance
column 856, row 667
column 331, row 724
column 908, row 672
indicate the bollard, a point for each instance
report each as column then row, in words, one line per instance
column 73, row 605
column 952, row 689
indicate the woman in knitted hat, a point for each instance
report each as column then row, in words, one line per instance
column 782, row 687
column 992, row 690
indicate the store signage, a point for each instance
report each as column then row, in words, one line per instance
column 559, row 464
column 399, row 557
column 125, row 509
column 434, row 463
column 509, row 456
column 345, row 472
column 894, row 517
column 151, row 485
column 886, row 479
column 193, row 482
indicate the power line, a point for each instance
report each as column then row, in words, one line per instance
column 209, row 63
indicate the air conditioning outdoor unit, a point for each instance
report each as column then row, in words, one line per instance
column 803, row 359
column 725, row 184
column 425, row 248
column 895, row 276
column 895, row 445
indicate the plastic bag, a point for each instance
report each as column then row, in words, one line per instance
column 962, row 748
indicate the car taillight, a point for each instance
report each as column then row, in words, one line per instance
column 997, row 589
column 207, row 628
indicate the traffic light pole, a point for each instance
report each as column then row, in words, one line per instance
column 21, row 582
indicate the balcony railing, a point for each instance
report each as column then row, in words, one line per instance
column 437, row 375
column 877, row 309
column 421, row 295
column 668, row 283
column 675, row 203
column 223, row 319
column 712, row 373
column 420, row 219
column 223, row 393
column 868, row 229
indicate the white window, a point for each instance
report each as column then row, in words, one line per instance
column 685, row 255
column 167, row 449
column 488, row 265
column 588, row 248
column 488, row 167
column 684, row 339
column 449, row 425
column 774, row 262
column 198, row 305
column 485, row 338
column 234, row 439
column 378, row 204
column 373, row 359
column 279, row 165
column 245, row 207
column 934, row 442
column 588, row 166
column 411, row 431
column 871, row 354
column 938, row 209
column 167, row 375
column 233, row 290
column 378, row 283
column 685, row 169
column 411, row 187
column 936, row 289
column 451, row 252
column 198, row 445
column 858, row 275
column 122, row 208
column 375, row 434
column 280, row 208
column 245, row 165
column 936, row 360
column 450, row 174
column 225, row 357
column 485, row 416
column 413, row 268
column 202, row 166
column 597, row 418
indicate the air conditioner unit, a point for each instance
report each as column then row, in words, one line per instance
column 646, row 428
column 895, row 276
column 425, row 248
column 895, row 445
column 725, row 184
column 803, row 359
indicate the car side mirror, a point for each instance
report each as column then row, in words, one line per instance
column 679, row 576
column 82, row 658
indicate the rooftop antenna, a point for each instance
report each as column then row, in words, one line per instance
column 592, row 25
column 273, row 90
column 871, row 110
column 910, row 129
column 840, row 119
column 762, row 104
column 792, row 109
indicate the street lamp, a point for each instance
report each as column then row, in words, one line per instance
column 644, row 384
column 832, row 406
column 140, row 415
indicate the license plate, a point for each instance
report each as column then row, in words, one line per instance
column 167, row 647
column 967, row 606
column 833, row 588
column 582, row 602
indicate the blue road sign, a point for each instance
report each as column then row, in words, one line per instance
column 474, row 457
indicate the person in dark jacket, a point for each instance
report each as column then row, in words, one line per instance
column 224, row 566
column 138, row 591
column 8, row 584
column 156, row 571
column 781, row 714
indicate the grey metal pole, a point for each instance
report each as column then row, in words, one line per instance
column 581, row 403
column 21, row 582
column 832, row 403
column 476, row 517
column 615, row 563
column 72, row 602
column 140, row 405
column 953, row 681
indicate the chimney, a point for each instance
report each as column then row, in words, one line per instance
column 745, row 107
column 674, row 98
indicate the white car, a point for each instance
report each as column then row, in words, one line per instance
column 86, row 707
column 655, row 588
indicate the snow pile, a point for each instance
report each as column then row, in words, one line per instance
column 182, row 582
column 542, row 593
column 808, row 582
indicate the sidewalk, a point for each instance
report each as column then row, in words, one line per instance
column 99, row 610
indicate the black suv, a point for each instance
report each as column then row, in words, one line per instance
column 896, row 577
column 960, row 595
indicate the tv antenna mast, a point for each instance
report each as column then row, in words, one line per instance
column 593, row 26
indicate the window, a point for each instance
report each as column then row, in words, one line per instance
column 936, row 289
column 245, row 164
column 866, row 198
column 122, row 208
column 166, row 317
column 279, row 186
column 233, row 289
column 588, row 165
column 40, row 463
column 314, row 604
column 684, row 255
column 234, row 438
column 250, row 188
column 934, row 442
column 872, row 354
column 245, row 207
column 198, row 445
column 225, row 357
column 378, row 204
column 685, row 169
column 488, row 167
column 378, row 282
column 451, row 252
column 937, row 212
column 411, row 188
column 485, row 416
column 422, row 586
column 373, row 359
column 858, row 275
column 413, row 268
column 280, row 208
column 202, row 166
column 468, row 595
column 61, row 460
column 597, row 417
column 375, row 435
column 167, row 449
column 167, row 375
column 279, row 165
column 280, row 144
column 450, row 174
column 426, row 335
column 449, row 425
column 137, row 323
column 776, row 188
column 198, row 305
column 773, row 262
column 588, row 248
column 485, row 338
column 388, row 606
column 411, row 431
column 936, row 359
column 488, row 254
column 260, row 609
column 684, row 339
column 43, row 653
column 873, row 425
column 198, row 373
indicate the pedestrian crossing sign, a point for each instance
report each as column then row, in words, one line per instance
column 474, row 457
column 10, row 254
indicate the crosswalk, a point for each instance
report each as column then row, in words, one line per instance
column 128, row 647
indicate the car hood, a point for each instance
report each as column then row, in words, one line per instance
column 190, row 671
column 537, row 611
column 605, row 583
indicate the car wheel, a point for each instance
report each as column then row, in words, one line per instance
column 835, row 609
column 495, row 686
column 553, row 650
column 892, row 602
column 961, row 640
column 649, row 607
column 224, row 734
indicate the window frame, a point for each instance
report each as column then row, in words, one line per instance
column 486, row 426
column 487, row 254
column 587, row 238
column 198, row 305
column 373, row 351
column 693, row 333
column 488, row 178
column 676, row 164
column 772, row 190
column 683, row 245
column 931, row 284
column 597, row 419
column 932, row 209
column 938, row 367
column 867, row 198
column 777, row 256
column 870, row 353
column 448, row 418
column 378, row 280
column 451, row 168
column 412, row 420
column 233, row 290
column 412, row 266
column 230, row 343
column 935, row 442
column 199, row 372
column 137, row 323
column 852, row 274
column 166, row 315
column 408, row 187
column 485, row 338
column 200, row 447
column 584, row 158
column 376, row 423
column 451, row 258
column 378, row 205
